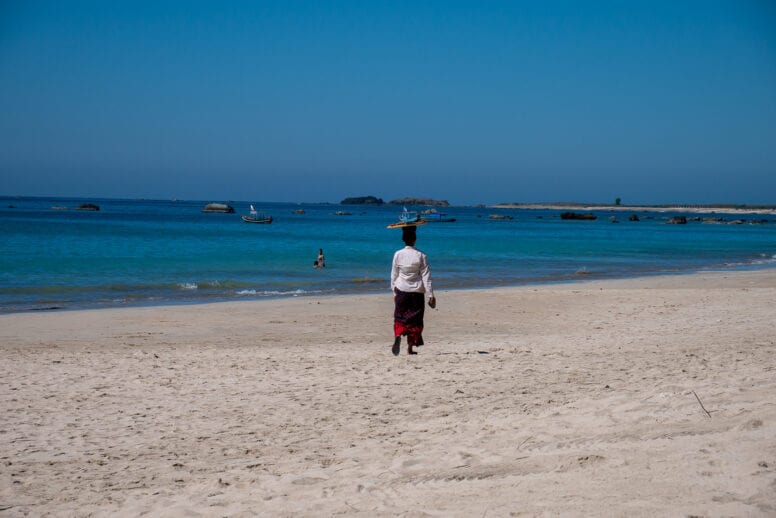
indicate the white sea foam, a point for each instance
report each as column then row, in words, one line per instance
column 765, row 259
column 271, row 293
column 188, row 285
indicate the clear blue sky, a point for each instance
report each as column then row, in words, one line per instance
column 474, row 102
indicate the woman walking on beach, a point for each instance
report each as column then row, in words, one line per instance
column 410, row 280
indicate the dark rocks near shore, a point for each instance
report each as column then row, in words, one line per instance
column 420, row 201
column 633, row 217
column 88, row 206
column 222, row 208
column 580, row 216
column 677, row 220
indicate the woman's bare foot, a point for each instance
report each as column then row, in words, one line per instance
column 396, row 344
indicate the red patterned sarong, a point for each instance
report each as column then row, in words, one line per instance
column 408, row 316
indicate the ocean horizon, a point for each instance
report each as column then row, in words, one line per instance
column 145, row 252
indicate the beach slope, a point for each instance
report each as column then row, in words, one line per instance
column 641, row 397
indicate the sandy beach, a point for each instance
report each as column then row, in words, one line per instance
column 641, row 397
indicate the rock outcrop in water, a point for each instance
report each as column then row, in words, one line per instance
column 420, row 201
column 577, row 215
column 362, row 200
column 219, row 207
column 88, row 206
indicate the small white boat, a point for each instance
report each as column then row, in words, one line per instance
column 408, row 219
column 257, row 217
column 437, row 217
column 408, row 216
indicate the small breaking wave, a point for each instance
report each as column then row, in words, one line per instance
column 210, row 285
column 764, row 259
column 276, row 293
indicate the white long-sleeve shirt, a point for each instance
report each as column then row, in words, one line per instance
column 410, row 271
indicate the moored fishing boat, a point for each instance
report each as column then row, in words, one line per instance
column 436, row 217
column 256, row 217
column 408, row 219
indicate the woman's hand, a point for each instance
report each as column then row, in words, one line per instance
column 432, row 302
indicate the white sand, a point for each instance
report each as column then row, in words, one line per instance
column 574, row 399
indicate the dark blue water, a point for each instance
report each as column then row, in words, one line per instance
column 157, row 252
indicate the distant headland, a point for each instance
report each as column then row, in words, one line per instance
column 721, row 208
column 372, row 200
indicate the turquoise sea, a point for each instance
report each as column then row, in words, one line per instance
column 138, row 252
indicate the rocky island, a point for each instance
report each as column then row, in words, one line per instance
column 420, row 201
column 373, row 200
column 362, row 200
